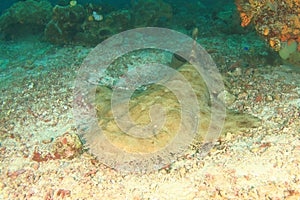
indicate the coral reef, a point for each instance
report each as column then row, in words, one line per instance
column 84, row 25
column 227, row 20
column 95, row 31
column 90, row 25
column 65, row 24
column 25, row 17
column 150, row 13
column 277, row 21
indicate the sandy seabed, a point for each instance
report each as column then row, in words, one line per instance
column 36, row 105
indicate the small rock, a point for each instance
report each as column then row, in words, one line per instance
column 237, row 72
column 228, row 136
column 226, row 97
column 36, row 166
column 67, row 146
column 269, row 98
column 182, row 171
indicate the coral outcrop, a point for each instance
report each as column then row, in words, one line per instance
column 84, row 25
column 72, row 23
column 277, row 21
column 65, row 24
column 25, row 17
column 150, row 13
column 94, row 32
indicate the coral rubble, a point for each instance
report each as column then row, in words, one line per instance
column 67, row 146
